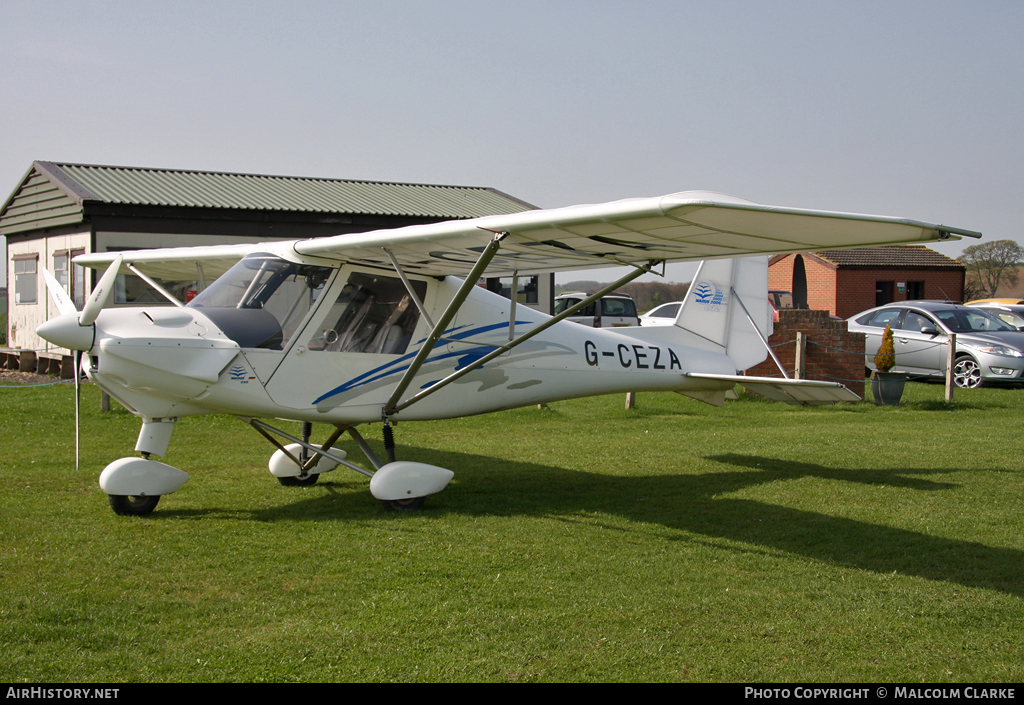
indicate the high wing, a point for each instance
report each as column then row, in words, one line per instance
column 687, row 226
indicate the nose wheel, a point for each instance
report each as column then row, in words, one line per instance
column 131, row 505
column 403, row 505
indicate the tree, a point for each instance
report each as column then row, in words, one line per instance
column 992, row 264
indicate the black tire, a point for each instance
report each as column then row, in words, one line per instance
column 967, row 373
column 307, row 481
column 130, row 505
column 403, row 505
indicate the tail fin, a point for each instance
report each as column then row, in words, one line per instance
column 725, row 296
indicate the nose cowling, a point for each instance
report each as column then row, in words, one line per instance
column 66, row 332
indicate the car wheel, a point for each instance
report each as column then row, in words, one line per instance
column 967, row 373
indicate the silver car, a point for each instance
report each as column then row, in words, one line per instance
column 987, row 350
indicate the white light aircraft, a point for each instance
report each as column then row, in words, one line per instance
column 391, row 325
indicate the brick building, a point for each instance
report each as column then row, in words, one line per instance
column 846, row 282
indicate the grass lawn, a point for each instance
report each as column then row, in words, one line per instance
column 672, row 542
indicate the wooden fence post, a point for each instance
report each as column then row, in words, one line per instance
column 800, row 357
column 950, row 361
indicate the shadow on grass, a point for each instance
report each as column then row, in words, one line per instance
column 692, row 503
column 942, row 405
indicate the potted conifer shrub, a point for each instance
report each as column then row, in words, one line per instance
column 886, row 386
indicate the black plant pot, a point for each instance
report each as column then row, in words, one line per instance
column 887, row 387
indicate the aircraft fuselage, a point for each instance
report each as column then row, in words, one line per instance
column 356, row 335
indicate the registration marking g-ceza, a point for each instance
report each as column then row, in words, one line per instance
column 640, row 357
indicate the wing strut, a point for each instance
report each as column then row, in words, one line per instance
column 202, row 276
column 513, row 294
column 449, row 313
column 393, row 407
column 408, row 287
column 149, row 280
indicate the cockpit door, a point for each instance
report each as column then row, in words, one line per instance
column 357, row 346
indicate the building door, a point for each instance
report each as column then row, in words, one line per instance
column 799, row 283
column 883, row 293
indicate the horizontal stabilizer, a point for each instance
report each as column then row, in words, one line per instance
column 802, row 392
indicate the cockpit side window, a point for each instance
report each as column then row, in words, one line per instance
column 373, row 314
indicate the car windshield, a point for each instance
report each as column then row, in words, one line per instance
column 1008, row 317
column 967, row 321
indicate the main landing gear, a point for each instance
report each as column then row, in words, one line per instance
column 135, row 485
column 401, row 486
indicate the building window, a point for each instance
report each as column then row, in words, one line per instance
column 77, row 291
column 60, row 269
column 71, row 276
column 25, row 286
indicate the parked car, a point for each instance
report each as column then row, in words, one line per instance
column 664, row 315
column 1010, row 314
column 994, row 301
column 987, row 350
column 780, row 299
column 611, row 311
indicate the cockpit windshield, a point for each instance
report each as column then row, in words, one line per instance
column 260, row 302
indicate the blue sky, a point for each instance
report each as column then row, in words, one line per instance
column 908, row 109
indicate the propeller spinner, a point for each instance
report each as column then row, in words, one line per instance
column 71, row 329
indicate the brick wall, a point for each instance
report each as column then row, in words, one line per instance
column 821, row 281
column 833, row 354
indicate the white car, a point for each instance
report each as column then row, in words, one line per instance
column 664, row 315
column 611, row 311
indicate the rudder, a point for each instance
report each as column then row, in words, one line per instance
column 714, row 317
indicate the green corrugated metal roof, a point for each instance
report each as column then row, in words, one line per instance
column 72, row 185
column 207, row 189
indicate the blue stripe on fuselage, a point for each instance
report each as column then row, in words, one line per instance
column 395, row 366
